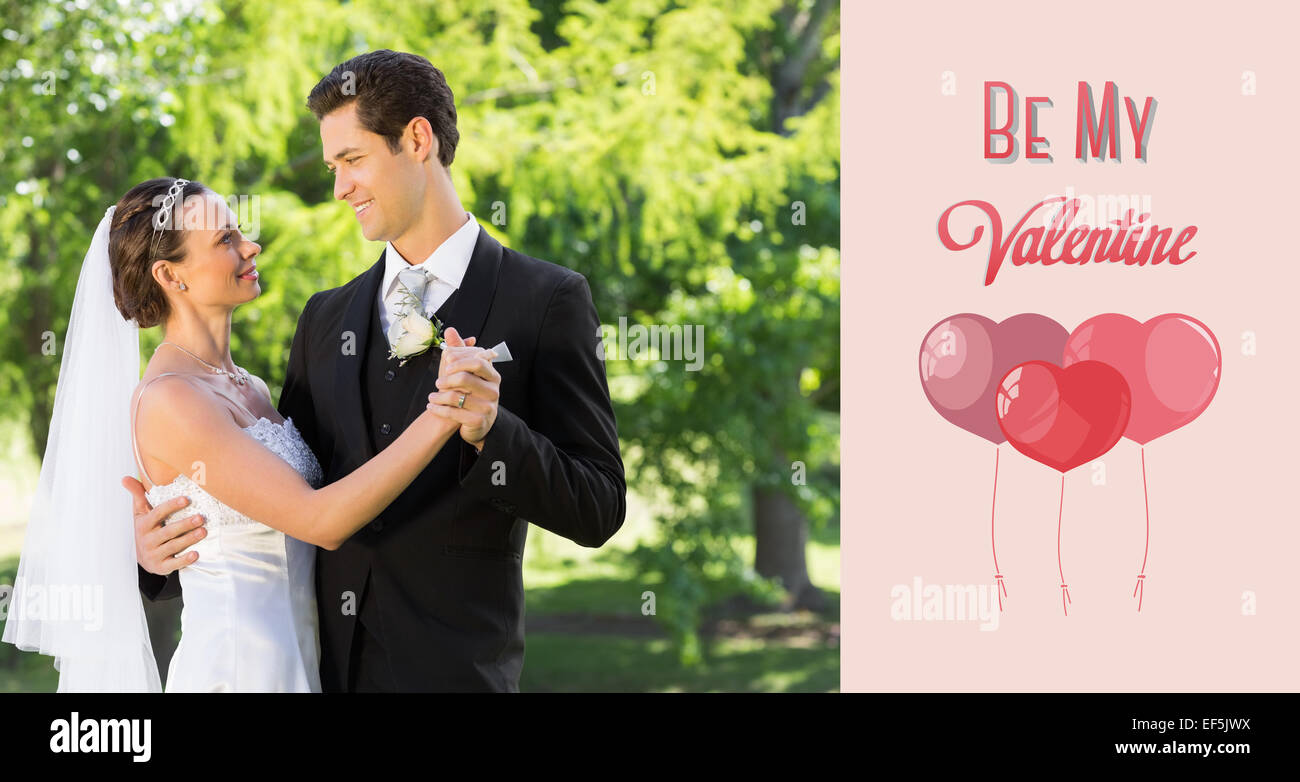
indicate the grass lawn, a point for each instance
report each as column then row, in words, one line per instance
column 593, row 663
column 585, row 631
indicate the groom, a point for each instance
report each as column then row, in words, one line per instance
column 429, row 596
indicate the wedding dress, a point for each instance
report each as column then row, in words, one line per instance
column 248, row 621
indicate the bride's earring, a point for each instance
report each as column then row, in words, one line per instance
column 183, row 287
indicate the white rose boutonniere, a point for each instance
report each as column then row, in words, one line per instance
column 413, row 334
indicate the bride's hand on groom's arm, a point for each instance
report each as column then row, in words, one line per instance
column 157, row 544
column 467, row 370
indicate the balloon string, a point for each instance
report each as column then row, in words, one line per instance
column 1065, row 588
column 1139, row 590
column 997, row 572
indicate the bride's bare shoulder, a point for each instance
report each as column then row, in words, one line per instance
column 154, row 379
column 176, row 419
column 172, row 400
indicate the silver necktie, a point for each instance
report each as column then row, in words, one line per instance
column 409, row 294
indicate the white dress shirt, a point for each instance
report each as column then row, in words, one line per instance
column 447, row 266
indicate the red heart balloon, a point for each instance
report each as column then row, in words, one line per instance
column 1063, row 417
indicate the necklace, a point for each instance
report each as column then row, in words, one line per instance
column 239, row 379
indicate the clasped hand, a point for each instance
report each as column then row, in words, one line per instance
column 466, row 369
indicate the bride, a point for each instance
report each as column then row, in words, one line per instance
column 196, row 426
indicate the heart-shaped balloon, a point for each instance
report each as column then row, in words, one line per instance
column 1171, row 363
column 1063, row 417
column 963, row 358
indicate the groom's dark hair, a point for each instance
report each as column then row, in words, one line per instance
column 390, row 88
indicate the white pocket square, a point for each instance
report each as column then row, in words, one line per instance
column 503, row 352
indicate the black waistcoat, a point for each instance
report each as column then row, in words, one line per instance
column 388, row 390
column 392, row 396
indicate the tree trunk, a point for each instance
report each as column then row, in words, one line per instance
column 780, row 530
column 42, row 370
column 787, row 80
column 781, row 539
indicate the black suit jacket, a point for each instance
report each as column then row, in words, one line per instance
column 445, row 559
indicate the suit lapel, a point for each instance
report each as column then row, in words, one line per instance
column 466, row 310
column 347, row 379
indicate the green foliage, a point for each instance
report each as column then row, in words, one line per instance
column 636, row 141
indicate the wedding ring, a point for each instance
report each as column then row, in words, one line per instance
column 461, row 403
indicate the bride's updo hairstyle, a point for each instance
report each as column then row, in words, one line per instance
column 134, row 244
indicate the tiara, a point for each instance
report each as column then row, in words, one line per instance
column 164, row 212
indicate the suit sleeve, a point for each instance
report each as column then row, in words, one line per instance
column 295, row 396
column 157, row 587
column 564, row 473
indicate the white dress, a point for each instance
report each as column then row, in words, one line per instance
column 248, row 620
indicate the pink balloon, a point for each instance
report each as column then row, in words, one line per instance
column 1172, row 365
column 964, row 357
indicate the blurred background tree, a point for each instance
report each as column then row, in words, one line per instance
column 683, row 156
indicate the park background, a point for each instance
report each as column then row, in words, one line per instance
column 684, row 157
